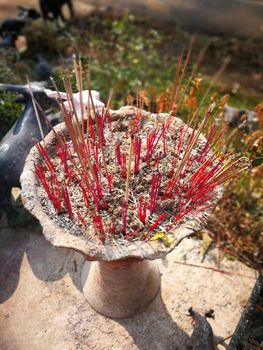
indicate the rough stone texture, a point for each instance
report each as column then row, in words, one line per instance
column 42, row 306
column 122, row 288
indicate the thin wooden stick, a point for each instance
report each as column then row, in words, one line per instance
column 184, row 69
column 189, row 148
column 193, row 74
column 214, row 269
column 211, row 84
column 129, row 170
column 78, row 74
column 177, row 73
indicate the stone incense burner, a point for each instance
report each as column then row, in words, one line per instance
column 120, row 277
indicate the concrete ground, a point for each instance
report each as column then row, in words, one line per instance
column 42, row 306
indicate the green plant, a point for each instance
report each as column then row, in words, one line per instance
column 9, row 112
column 126, row 58
column 44, row 39
column 7, row 72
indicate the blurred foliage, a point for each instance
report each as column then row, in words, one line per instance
column 121, row 55
column 9, row 112
column 46, row 39
column 10, row 73
column 129, row 60
column 237, row 223
column 244, row 100
column 7, row 72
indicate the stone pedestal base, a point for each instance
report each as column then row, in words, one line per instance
column 120, row 288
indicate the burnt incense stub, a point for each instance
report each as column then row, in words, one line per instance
column 140, row 195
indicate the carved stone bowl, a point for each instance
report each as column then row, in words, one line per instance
column 122, row 278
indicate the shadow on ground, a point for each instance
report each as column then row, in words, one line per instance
column 48, row 263
column 161, row 321
column 61, row 306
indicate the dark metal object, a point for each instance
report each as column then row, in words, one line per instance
column 54, row 8
column 8, row 41
column 43, row 69
column 249, row 331
column 11, row 25
column 16, row 144
column 202, row 337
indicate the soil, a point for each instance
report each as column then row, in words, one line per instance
column 42, row 306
